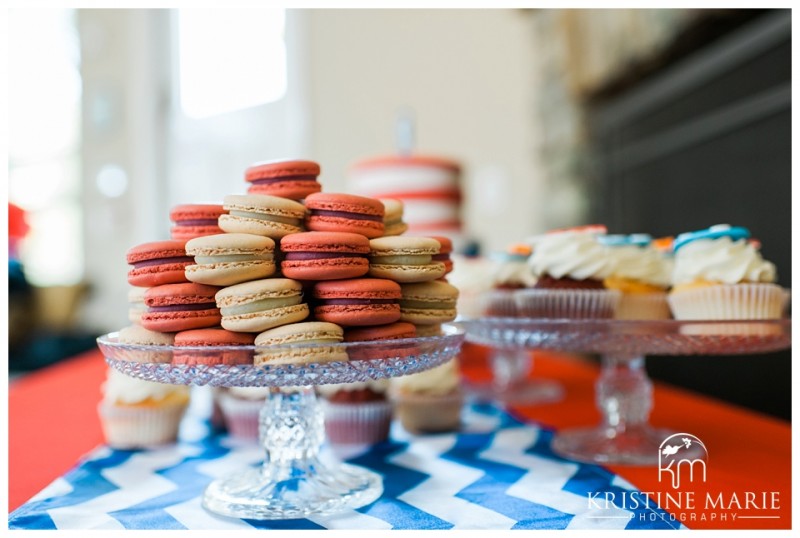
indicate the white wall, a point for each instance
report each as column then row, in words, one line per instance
column 468, row 74
column 470, row 77
column 121, row 126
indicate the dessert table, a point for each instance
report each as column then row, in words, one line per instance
column 497, row 472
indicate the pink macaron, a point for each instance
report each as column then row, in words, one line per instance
column 444, row 252
column 180, row 307
column 284, row 178
column 324, row 255
column 357, row 301
column 331, row 212
column 216, row 340
column 157, row 263
column 195, row 220
column 380, row 333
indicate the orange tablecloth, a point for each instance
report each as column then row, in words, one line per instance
column 53, row 422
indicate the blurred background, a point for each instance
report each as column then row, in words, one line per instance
column 657, row 121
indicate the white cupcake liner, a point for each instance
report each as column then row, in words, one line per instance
column 241, row 415
column 748, row 329
column 645, row 306
column 498, row 303
column 728, row 301
column 786, row 305
column 357, row 422
column 426, row 413
column 567, row 304
column 129, row 426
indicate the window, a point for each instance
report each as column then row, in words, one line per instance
column 230, row 59
column 44, row 141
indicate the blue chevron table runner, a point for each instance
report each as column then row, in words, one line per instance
column 496, row 473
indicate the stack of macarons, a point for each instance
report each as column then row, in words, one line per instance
column 286, row 262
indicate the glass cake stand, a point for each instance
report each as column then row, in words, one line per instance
column 293, row 482
column 623, row 390
column 511, row 383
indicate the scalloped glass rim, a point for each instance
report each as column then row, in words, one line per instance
column 396, row 358
column 449, row 329
column 633, row 337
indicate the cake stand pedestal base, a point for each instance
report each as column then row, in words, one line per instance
column 253, row 494
column 531, row 392
column 607, row 445
column 292, row 482
column 510, row 383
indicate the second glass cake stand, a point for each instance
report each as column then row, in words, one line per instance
column 623, row 390
column 511, row 383
column 293, row 482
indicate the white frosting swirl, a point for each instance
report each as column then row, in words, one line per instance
column 513, row 272
column 721, row 260
column 641, row 264
column 124, row 389
column 436, row 381
column 573, row 254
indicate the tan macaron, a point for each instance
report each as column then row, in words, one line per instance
column 136, row 304
column 260, row 214
column 276, row 346
column 258, row 305
column 405, row 259
column 428, row 303
column 227, row 259
column 138, row 335
column 393, row 217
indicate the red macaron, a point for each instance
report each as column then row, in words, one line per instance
column 195, row 220
column 157, row 263
column 358, row 301
column 330, row 212
column 287, row 179
column 392, row 331
column 444, row 252
column 324, row 255
column 216, row 340
column 180, row 307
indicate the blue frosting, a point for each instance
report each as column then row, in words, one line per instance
column 618, row 240
column 714, row 232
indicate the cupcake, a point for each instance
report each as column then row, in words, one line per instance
column 135, row 413
column 570, row 266
column 240, row 408
column 511, row 272
column 719, row 274
column 429, row 401
column 641, row 274
column 357, row 413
